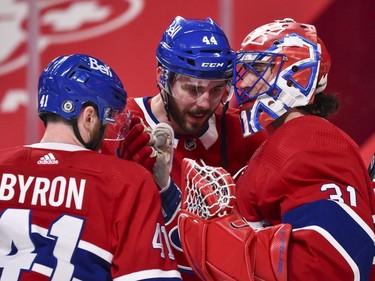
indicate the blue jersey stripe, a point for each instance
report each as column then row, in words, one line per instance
column 87, row 266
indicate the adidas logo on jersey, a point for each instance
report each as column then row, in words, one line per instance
column 48, row 159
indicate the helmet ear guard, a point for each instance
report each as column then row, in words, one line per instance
column 164, row 79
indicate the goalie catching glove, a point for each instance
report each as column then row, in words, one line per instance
column 217, row 242
column 152, row 148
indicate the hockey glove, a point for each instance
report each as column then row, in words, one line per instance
column 162, row 143
column 221, row 246
column 152, row 148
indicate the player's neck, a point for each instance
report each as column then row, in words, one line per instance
column 157, row 108
column 60, row 133
column 290, row 115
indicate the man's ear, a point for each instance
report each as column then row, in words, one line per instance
column 88, row 116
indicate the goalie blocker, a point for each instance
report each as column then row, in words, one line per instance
column 220, row 245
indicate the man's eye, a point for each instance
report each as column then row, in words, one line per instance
column 193, row 90
column 245, row 67
column 258, row 69
column 218, row 89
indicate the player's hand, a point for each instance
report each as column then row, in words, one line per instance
column 153, row 149
column 115, row 132
column 137, row 144
column 162, row 142
column 218, row 243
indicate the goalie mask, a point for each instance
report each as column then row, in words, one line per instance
column 280, row 65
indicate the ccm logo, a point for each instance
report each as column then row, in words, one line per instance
column 212, row 64
column 102, row 68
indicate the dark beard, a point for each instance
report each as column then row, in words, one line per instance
column 184, row 128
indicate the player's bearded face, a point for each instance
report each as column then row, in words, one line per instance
column 193, row 102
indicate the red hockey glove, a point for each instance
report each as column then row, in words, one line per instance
column 227, row 248
column 221, row 246
column 152, row 148
column 136, row 146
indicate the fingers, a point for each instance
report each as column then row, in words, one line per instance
column 151, row 148
column 164, row 136
column 146, row 157
column 138, row 137
column 135, row 120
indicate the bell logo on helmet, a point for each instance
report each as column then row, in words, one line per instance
column 102, row 68
column 173, row 29
column 212, row 64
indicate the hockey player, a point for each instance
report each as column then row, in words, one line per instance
column 68, row 212
column 195, row 68
column 307, row 182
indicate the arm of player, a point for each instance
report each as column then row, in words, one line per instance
column 170, row 201
column 328, row 235
column 153, row 149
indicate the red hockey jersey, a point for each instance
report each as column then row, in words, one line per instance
column 67, row 213
column 208, row 148
column 310, row 174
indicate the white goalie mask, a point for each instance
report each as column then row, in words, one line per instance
column 281, row 65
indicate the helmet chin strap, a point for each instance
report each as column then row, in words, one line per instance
column 93, row 144
column 223, row 136
column 165, row 97
column 164, row 88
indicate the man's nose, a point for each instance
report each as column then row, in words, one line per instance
column 203, row 100
column 247, row 81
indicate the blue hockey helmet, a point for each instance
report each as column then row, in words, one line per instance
column 195, row 48
column 69, row 82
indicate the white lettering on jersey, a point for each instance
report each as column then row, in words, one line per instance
column 63, row 236
column 102, row 68
column 56, row 192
